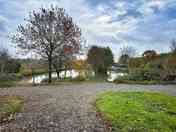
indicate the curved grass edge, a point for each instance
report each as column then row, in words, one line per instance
column 152, row 82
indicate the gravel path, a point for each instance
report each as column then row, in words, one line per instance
column 65, row 108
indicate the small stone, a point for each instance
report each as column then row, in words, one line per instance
column 10, row 117
column 51, row 123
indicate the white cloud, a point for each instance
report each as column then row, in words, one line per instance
column 158, row 3
column 104, row 19
column 103, row 23
column 120, row 8
column 97, row 24
column 148, row 6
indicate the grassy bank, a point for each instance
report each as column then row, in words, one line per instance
column 7, row 84
column 9, row 106
column 8, row 80
column 145, row 82
column 128, row 80
column 138, row 111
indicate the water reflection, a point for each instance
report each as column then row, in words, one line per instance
column 72, row 74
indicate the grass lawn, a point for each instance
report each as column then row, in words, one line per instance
column 138, row 111
column 9, row 105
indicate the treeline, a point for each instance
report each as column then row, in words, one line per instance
column 151, row 66
column 52, row 35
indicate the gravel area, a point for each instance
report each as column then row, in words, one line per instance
column 65, row 108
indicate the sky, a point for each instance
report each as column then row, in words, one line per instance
column 142, row 24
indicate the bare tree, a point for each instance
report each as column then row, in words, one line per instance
column 128, row 50
column 126, row 53
column 47, row 33
column 173, row 46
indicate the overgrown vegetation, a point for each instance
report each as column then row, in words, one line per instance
column 138, row 111
column 9, row 105
column 136, row 80
column 151, row 68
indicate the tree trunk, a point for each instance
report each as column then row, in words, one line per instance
column 50, row 69
column 57, row 71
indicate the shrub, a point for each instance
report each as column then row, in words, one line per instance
column 135, row 79
column 135, row 75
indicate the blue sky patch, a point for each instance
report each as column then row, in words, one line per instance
column 143, row 24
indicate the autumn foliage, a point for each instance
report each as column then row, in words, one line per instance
column 154, row 66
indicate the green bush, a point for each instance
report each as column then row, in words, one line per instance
column 122, row 79
column 135, row 80
column 136, row 74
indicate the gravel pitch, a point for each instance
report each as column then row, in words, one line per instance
column 65, row 108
